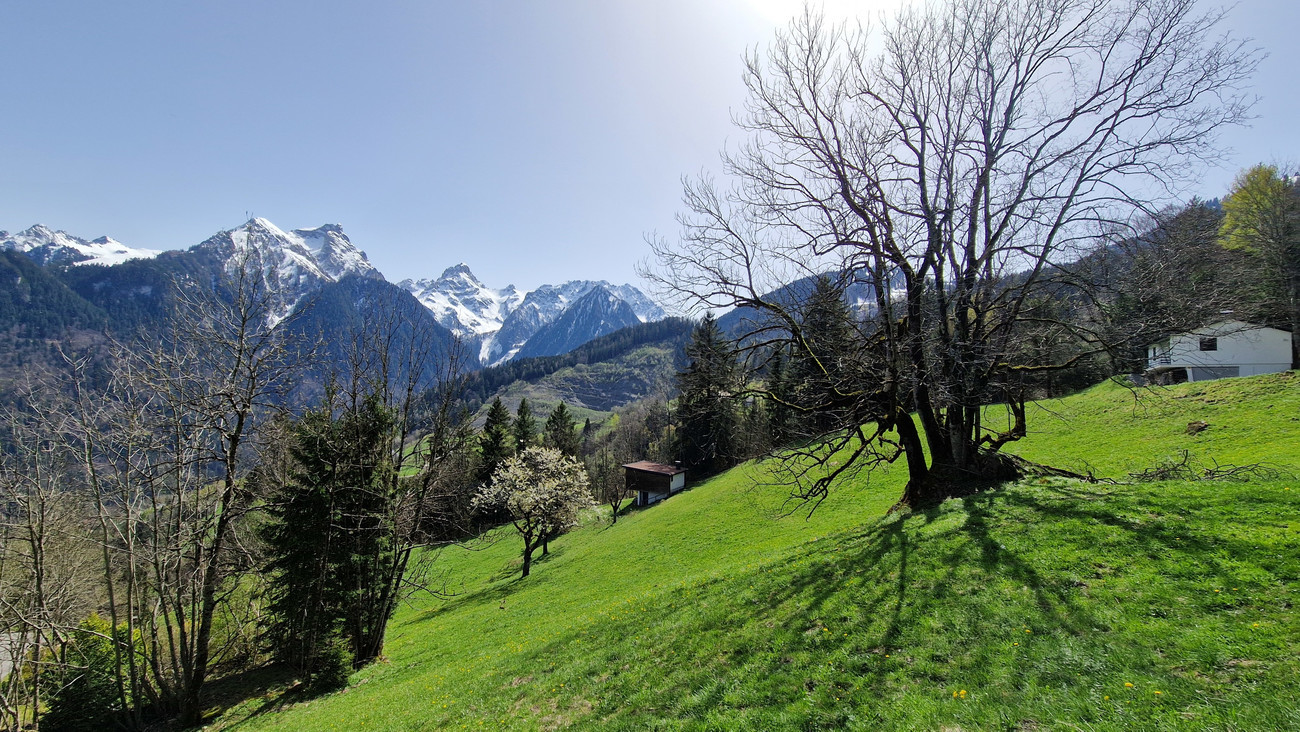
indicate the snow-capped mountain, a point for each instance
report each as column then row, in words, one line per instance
column 595, row 314
column 539, row 308
column 646, row 309
column 295, row 263
column 462, row 303
column 46, row 246
column 503, row 320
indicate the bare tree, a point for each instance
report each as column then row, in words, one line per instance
column 46, row 587
column 951, row 160
column 165, row 454
column 608, row 484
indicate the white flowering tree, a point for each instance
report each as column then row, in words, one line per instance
column 543, row 492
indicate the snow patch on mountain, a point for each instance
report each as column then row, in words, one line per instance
column 501, row 321
column 47, row 246
column 463, row 304
column 294, row 263
column 598, row 312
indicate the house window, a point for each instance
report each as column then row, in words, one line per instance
column 1209, row 344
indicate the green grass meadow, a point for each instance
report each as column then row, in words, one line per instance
column 1048, row 604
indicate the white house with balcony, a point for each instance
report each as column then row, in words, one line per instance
column 1221, row 350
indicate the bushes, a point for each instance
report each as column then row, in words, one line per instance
column 86, row 697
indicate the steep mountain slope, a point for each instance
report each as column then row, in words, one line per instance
column 138, row 294
column 596, row 313
column 1046, row 604
column 594, row 379
column 294, row 264
column 342, row 314
column 538, row 308
column 36, row 304
column 46, row 246
column 463, row 304
column 494, row 324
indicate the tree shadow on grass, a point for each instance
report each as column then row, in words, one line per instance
column 886, row 585
column 255, row 692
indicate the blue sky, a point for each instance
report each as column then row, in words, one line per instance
column 536, row 140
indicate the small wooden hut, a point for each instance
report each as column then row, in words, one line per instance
column 653, row 482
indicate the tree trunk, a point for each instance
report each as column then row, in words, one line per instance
column 528, row 557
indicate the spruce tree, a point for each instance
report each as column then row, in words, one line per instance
column 780, row 393
column 496, row 442
column 560, row 431
column 525, row 427
column 706, row 414
column 817, row 368
column 328, row 540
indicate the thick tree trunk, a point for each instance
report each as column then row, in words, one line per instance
column 946, row 475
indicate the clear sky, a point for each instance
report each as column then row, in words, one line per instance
column 536, row 140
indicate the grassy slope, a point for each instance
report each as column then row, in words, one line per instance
column 1041, row 601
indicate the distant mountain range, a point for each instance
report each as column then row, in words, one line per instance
column 307, row 267
column 508, row 322
column 58, row 247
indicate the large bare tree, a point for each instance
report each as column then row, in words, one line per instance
column 949, row 159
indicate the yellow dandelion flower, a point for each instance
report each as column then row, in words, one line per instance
column 1127, row 685
column 1159, row 692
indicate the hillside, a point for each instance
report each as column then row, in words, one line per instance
column 1043, row 605
column 610, row 371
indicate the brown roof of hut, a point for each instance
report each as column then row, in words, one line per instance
column 646, row 466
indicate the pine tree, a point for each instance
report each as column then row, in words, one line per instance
column 525, row 427
column 706, row 414
column 328, row 540
column 825, row 339
column 780, row 394
column 496, row 442
column 302, row 546
column 560, row 431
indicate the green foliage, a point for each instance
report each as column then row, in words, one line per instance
column 723, row 612
column 706, row 413
column 780, row 389
column 559, row 432
column 332, row 667
column 86, row 696
column 1262, row 216
column 525, row 426
column 1262, row 212
column 496, row 442
column 328, row 540
column 826, row 340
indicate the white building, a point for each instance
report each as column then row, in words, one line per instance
column 1224, row 349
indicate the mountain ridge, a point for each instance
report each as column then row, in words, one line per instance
column 495, row 324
